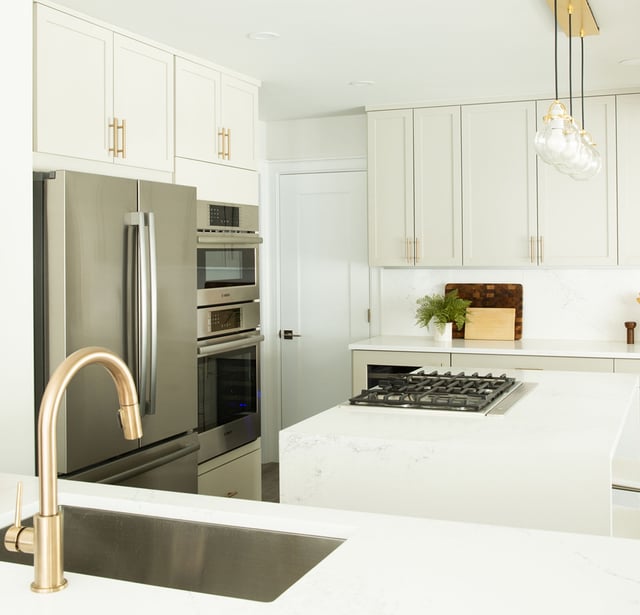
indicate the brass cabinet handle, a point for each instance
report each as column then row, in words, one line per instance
column 123, row 127
column 541, row 250
column 407, row 250
column 115, row 127
column 417, row 249
column 531, row 250
column 114, row 137
column 221, row 143
column 224, row 141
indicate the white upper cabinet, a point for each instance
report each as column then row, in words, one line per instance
column 216, row 116
column 197, row 111
column 74, row 86
column 499, row 184
column 628, row 138
column 437, row 193
column 238, row 122
column 577, row 220
column 414, row 187
column 143, row 98
column 390, row 188
column 101, row 96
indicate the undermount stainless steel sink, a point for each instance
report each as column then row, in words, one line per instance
column 214, row 559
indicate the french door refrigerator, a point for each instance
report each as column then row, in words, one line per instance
column 115, row 266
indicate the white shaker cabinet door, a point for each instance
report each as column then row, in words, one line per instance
column 197, row 111
column 437, row 187
column 73, row 94
column 390, row 188
column 143, row 97
column 577, row 219
column 239, row 118
column 628, row 136
column 498, row 184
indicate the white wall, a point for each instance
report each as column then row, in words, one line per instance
column 16, row 350
column 343, row 136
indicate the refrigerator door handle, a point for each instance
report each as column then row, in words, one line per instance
column 137, row 220
column 116, row 479
column 153, row 314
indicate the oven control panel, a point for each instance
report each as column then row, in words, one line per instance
column 226, row 319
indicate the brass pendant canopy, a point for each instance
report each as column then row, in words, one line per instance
column 584, row 23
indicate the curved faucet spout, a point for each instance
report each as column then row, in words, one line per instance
column 129, row 414
column 45, row 540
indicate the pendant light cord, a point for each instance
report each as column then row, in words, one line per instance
column 555, row 18
column 570, row 80
column 582, row 75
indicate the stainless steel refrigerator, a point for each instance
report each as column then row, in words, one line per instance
column 114, row 266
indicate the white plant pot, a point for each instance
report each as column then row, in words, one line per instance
column 443, row 333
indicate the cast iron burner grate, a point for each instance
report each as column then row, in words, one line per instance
column 435, row 391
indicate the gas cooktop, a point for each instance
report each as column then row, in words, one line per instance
column 486, row 394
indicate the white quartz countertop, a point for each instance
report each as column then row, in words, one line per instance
column 557, row 348
column 546, row 463
column 388, row 565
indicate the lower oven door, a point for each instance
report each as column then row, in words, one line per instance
column 228, row 394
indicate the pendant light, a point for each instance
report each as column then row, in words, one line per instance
column 589, row 160
column 560, row 142
column 550, row 139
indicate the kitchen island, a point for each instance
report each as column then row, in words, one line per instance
column 546, row 463
column 386, row 566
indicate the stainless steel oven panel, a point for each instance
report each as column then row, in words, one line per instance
column 216, row 216
column 230, row 435
column 230, row 294
column 228, row 319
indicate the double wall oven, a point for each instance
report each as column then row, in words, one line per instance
column 228, row 327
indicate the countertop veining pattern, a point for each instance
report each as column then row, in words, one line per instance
column 387, row 566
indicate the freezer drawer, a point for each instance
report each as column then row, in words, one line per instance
column 169, row 466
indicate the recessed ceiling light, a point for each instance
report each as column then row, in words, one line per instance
column 262, row 36
column 358, row 84
column 630, row 62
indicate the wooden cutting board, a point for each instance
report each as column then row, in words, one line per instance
column 491, row 295
column 490, row 324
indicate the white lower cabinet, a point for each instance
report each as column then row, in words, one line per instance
column 509, row 361
column 237, row 474
column 626, row 366
column 363, row 361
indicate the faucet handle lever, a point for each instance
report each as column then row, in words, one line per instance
column 18, row 518
column 19, row 538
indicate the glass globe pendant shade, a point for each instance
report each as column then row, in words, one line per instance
column 590, row 161
column 550, row 140
column 570, row 156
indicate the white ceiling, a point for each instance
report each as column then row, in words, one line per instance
column 424, row 51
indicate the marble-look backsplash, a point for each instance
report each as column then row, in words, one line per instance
column 583, row 304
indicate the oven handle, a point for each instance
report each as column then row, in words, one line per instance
column 234, row 239
column 216, row 348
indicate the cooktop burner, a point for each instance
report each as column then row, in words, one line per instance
column 439, row 391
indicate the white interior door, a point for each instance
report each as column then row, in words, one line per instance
column 324, row 287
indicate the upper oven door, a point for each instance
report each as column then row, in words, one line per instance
column 227, row 268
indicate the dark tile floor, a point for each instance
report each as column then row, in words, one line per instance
column 270, row 482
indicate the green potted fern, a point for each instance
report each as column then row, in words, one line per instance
column 443, row 311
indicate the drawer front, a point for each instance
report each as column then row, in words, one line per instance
column 575, row 364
